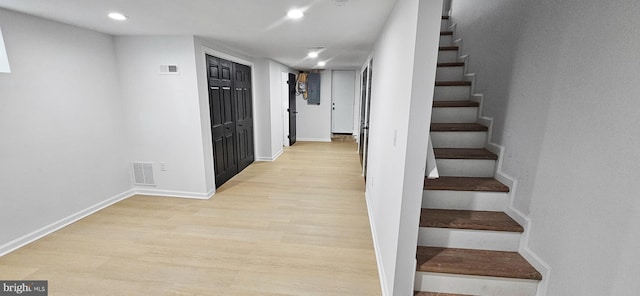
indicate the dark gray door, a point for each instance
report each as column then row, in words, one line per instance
column 292, row 108
column 243, row 115
column 223, row 127
column 363, row 105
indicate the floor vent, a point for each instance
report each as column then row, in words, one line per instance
column 143, row 173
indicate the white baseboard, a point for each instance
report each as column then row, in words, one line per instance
column 272, row 158
column 35, row 235
column 313, row 139
column 48, row 229
column 383, row 283
column 172, row 193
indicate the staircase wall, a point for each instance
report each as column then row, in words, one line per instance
column 404, row 66
column 566, row 113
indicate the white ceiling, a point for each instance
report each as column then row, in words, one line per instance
column 257, row 28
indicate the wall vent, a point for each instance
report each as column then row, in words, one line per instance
column 143, row 173
column 169, row 69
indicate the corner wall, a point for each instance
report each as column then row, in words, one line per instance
column 404, row 64
column 62, row 127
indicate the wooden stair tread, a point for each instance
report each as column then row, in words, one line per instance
column 448, row 48
column 475, row 262
column 473, row 220
column 436, row 294
column 465, row 184
column 449, row 104
column 453, row 83
column 452, row 64
column 464, row 153
column 445, row 33
column 458, row 127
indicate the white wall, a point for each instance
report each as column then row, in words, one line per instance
column 402, row 92
column 314, row 121
column 284, row 94
column 570, row 122
column 61, row 123
column 163, row 111
column 278, row 114
column 356, row 105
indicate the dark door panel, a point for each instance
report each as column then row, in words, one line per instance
column 292, row 109
column 244, row 115
column 231, row 117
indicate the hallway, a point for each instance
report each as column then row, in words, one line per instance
column 296, row 226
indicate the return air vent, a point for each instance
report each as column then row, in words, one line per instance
column 143, row 173
column 169, row 69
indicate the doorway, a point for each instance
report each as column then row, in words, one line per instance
column 365, row 115
column 291, row 82
column 230, row 109
column 343, row 92
column 363, row 125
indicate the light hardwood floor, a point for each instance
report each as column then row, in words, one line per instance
column 296, row 226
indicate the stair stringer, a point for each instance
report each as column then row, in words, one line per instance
column 511, row 210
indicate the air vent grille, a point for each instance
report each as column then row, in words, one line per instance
column 143, row 173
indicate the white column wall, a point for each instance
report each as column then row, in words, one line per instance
column 404, row 62
column 163, row 111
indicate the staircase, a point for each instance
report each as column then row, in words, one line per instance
column 467, row 244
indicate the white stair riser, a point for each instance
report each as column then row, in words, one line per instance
column 465, row 200
column 466, row 167
column 444, row 25
column 458, row 139
column 474, row 285
column 469, row 239
column 454, row 115
column 451, row 93
column 449, row 73
column 447, row 56
column 446, row 40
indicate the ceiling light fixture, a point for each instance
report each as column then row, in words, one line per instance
column 295, row 14
column 313, row 54
column 321, row 64
column 117, row 16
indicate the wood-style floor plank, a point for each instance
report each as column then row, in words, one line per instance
column 296, row 226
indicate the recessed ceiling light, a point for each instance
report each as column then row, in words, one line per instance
column 295, row 13
column 117, row 16
column 321, row 64
column 313, row 54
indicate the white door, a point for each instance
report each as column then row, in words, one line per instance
column 343, row 92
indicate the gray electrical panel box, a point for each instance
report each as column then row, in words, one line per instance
column 313, row 89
